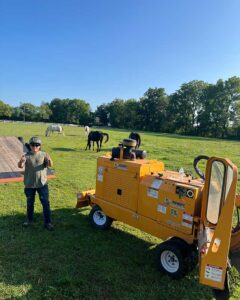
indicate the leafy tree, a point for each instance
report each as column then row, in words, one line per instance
column 102, row 112
column 185, row 106
column 132, row 117
column 59, row 109
column 116, row 110
column 5, row 110
column 74, row 111
column 44, row 112
column 153, row 108
column 78, row 112
column 28, row 112
column 221, row 112
column 219, row 109
column 233, row 90
column 16, row 113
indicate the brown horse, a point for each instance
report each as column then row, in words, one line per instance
column 96, row 136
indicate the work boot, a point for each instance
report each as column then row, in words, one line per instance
column 27, row 223
column 49, row 226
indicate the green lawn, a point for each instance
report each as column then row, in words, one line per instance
column 76, row 261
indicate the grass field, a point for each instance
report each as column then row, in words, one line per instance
column 76, row 261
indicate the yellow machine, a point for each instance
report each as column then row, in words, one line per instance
column 192, row 215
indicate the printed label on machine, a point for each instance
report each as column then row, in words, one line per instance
column 152, row 193
column 187, row 220
column 121, row 167
column 174, row 203
column 100, row 170
column 213, row 273
column 156, row 183
column 100, row 177
column 173, row 212
column 172, row 223
column 162, row 208
column 187, row 217
column 185, row 224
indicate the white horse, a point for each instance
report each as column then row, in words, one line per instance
column 86, row 131
column 52, row 128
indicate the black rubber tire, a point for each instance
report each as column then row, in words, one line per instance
column 96, row 213
column 176, row 250
column 129, row 142
column 190, row 253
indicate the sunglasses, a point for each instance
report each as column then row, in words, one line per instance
column 35, row 145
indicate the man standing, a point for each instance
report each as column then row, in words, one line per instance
column 35, row 180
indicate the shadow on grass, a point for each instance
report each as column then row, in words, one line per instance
column 63, row 149
column 102, row 151
column 188, row 137
column 78, row 262
column 181, row 137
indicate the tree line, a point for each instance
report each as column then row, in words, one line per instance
column 196, row 108
column 69, row 111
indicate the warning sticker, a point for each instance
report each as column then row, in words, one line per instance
column 152, row 193
column 187, row 220
column 156, row 183
column 162, row 208
column 213, row 273
column 100, row 177
column 187, row 217
column 188, row 225
column 100, row 170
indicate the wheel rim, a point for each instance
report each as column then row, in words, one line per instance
column 169, row 261
column 99, row 218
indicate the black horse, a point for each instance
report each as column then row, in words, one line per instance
column 96, row 136
column 135, row 136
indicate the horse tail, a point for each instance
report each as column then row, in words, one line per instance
column 139, row 140
column 46, row 133
column 63, row 131
column 107, row 137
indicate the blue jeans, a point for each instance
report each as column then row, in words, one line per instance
column 44, row 198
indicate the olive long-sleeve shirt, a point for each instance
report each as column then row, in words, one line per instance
column 35, row 174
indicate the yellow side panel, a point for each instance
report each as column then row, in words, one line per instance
column 140, row 222
column 159, row 201
column 117, row 181
column 140, row 166
column 174, row 210
column 121, row 188
column 147, row 206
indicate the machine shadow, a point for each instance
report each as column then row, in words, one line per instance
column 76, row 258
column 235, row 260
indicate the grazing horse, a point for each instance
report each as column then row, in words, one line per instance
column 135, row 136
column 54, row 128
column 86, row 131
column 96, row 136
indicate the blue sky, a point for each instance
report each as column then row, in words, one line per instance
column 99, row 50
